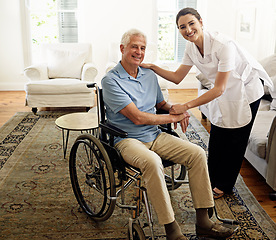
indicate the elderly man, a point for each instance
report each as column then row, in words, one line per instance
column 131, row 95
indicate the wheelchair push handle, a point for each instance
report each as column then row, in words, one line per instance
column 91, row 85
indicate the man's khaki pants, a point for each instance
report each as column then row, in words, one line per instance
column 147, row 157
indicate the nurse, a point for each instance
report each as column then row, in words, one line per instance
column 237, row 81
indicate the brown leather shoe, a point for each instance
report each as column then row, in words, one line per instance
column 217, row 231
column 182, row 238
column 217, row 193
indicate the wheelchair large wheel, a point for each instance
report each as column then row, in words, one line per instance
column 137, row 232
column 179, row 175
column 92, row 177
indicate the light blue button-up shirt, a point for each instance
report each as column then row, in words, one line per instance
column 120, row 89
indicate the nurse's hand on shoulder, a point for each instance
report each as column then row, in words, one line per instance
column 146, row 65
column 178, row 108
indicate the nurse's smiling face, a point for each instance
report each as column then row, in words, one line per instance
column 190, row 28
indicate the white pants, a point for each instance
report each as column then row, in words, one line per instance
column 147, row 157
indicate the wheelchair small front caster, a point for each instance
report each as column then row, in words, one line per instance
column 34, row 110
column 272, row 196
column 136, row 232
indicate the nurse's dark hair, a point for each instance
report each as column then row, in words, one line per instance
column 186, row 11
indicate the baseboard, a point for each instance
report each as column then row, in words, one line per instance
column 12, row 86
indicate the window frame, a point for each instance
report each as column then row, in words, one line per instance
column 62, row 13
column 179, row 41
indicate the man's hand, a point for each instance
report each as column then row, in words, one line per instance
column 184, row 122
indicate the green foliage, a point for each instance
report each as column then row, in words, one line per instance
column 44, row 24
column 166, row 37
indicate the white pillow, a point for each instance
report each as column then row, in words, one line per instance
column 64, row 63
column 269, row 65
column 204, row 81
column 273, row 104
column 273, row 94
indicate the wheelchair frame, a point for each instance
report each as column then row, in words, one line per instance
column 93, row 164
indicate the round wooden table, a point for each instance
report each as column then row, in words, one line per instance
column 80, row 121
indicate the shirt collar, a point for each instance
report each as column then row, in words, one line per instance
column 208, row 42
column 123, row 73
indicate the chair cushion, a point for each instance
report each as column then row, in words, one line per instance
column 259, row 134
column 64, row 63
column 56, row 86
column 269, row 65
column 204, row 81
column 264, row 105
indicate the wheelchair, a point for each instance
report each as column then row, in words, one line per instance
column 100, row 177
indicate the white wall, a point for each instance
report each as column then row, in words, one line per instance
column 261, row 43
column 219, row 15
column 224, row 16
column 103, row 22
column 11, row 51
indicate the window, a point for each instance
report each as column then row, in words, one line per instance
column 171, row 44
column 67, row 19
column 52, row 21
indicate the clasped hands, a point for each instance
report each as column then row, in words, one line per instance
column 180, row 109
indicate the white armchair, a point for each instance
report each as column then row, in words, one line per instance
column 61, row 77
column 150, row 57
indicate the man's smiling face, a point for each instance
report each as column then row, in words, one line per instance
column 134, row 52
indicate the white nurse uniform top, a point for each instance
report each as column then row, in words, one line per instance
column 222, row 54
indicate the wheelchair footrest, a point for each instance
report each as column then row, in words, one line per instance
column 128, row 207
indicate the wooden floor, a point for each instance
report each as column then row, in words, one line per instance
column 14, row 101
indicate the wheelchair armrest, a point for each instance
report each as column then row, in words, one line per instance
column 114, row 131
column 164, row 127
column 161, row 111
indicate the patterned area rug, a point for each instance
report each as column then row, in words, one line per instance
column 37, row 200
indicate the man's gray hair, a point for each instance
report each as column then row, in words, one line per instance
column 132, row 32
